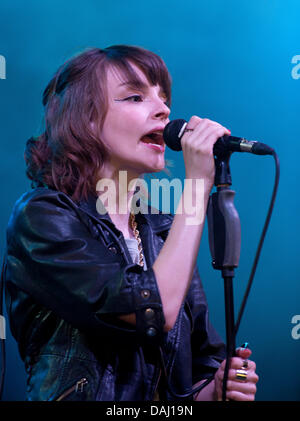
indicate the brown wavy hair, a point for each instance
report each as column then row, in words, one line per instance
column 68, row 155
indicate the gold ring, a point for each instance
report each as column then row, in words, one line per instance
column 241, row 375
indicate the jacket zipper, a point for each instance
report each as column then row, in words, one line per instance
column 77, row 387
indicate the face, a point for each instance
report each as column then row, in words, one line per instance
column 133, row 126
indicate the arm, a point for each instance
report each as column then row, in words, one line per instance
column 182, row 245
column 177, row 261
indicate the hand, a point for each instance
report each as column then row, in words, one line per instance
column 197, row 147
column 237, row 390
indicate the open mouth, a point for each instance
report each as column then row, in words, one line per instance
column 154, row 139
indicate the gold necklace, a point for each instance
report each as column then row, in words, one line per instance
column 136, row 234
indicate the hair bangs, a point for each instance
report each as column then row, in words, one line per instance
column 153, row 67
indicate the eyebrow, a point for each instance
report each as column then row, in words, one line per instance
column 141, row 84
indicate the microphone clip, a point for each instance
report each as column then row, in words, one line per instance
column 222, row 169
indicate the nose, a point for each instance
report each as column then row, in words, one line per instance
column 161, row 111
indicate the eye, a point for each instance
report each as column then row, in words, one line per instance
column 134, row 98
column 131, row 98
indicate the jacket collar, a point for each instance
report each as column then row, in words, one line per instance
column 157, row 220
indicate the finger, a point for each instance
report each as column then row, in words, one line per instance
column 197, row 124
column 193, row 122
column 239, row 396
column 243, row 387
column 207, row 127
column 203, row 138
column 190, row 127
column 237, row 362
column 212, row 133
column 193, row 131
column 243, row 352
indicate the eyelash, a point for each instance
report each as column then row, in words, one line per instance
column 139, row 97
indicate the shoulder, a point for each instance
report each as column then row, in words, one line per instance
column 42, row 195
column 44, row 198
column 39, row 204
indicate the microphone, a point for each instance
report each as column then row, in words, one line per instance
column 175, row 129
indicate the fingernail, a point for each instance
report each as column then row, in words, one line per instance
column 245, row 345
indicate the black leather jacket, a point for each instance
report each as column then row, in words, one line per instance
column 68, row 275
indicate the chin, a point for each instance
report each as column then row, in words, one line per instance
column 155, row 168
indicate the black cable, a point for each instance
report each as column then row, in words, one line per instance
column 263, row 234
column 191, row 392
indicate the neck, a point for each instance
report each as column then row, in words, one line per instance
column 121, row 180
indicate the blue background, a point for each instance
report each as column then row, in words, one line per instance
column 231, row 62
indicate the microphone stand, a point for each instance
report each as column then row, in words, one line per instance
column 225, row 241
